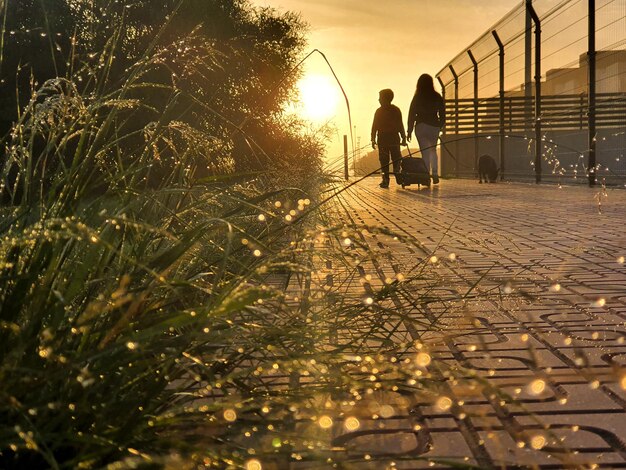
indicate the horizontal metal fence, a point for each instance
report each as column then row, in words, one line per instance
column 559, row 112
column 544, row 92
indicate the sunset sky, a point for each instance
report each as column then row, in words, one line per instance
column 373, row 44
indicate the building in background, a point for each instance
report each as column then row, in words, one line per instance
column 610, row 75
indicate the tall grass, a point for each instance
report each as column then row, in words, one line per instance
column 126, row 284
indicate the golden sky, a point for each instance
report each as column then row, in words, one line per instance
column 376, row 44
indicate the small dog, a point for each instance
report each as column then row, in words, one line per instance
column 487, row 168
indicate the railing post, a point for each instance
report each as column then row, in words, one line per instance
column 469, row 52
column 501, row 92
column 528, row 45
column 538, row 141
column 456, row 121
column 591, row 101
column 345, row 157
column 443, row 128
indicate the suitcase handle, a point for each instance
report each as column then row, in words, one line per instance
column 409, row 149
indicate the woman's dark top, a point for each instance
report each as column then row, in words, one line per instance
column 428, row 109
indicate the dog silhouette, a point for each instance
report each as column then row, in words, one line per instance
column 487, row 169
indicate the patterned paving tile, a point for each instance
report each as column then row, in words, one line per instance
column 545, row 325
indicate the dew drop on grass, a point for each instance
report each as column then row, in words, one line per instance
column 538, row 442
column 325, row 422
column 423, row 359
column 620, row 260
column 351, row 424
column 443, row 403
column 45, row 352
column 555, row 287
column 254, row 464
column 230, row 415
column 261, row 218
column 536, row 387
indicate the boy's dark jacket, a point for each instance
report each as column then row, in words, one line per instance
column 388, row 125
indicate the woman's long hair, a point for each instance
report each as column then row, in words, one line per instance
column 425, row 87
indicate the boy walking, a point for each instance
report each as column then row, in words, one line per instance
column 387, row 130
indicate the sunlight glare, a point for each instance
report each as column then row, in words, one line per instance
column 319, row 97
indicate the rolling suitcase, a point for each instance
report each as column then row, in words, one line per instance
column 413, row 171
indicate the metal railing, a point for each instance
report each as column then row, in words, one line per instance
column 571, row 117
column 559, row 112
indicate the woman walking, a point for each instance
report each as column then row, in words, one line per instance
column 427, row 116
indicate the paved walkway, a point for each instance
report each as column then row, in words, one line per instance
column 545, row 322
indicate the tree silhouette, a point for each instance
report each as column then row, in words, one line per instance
column 221, row 55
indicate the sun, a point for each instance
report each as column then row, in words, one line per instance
column 319, row 97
